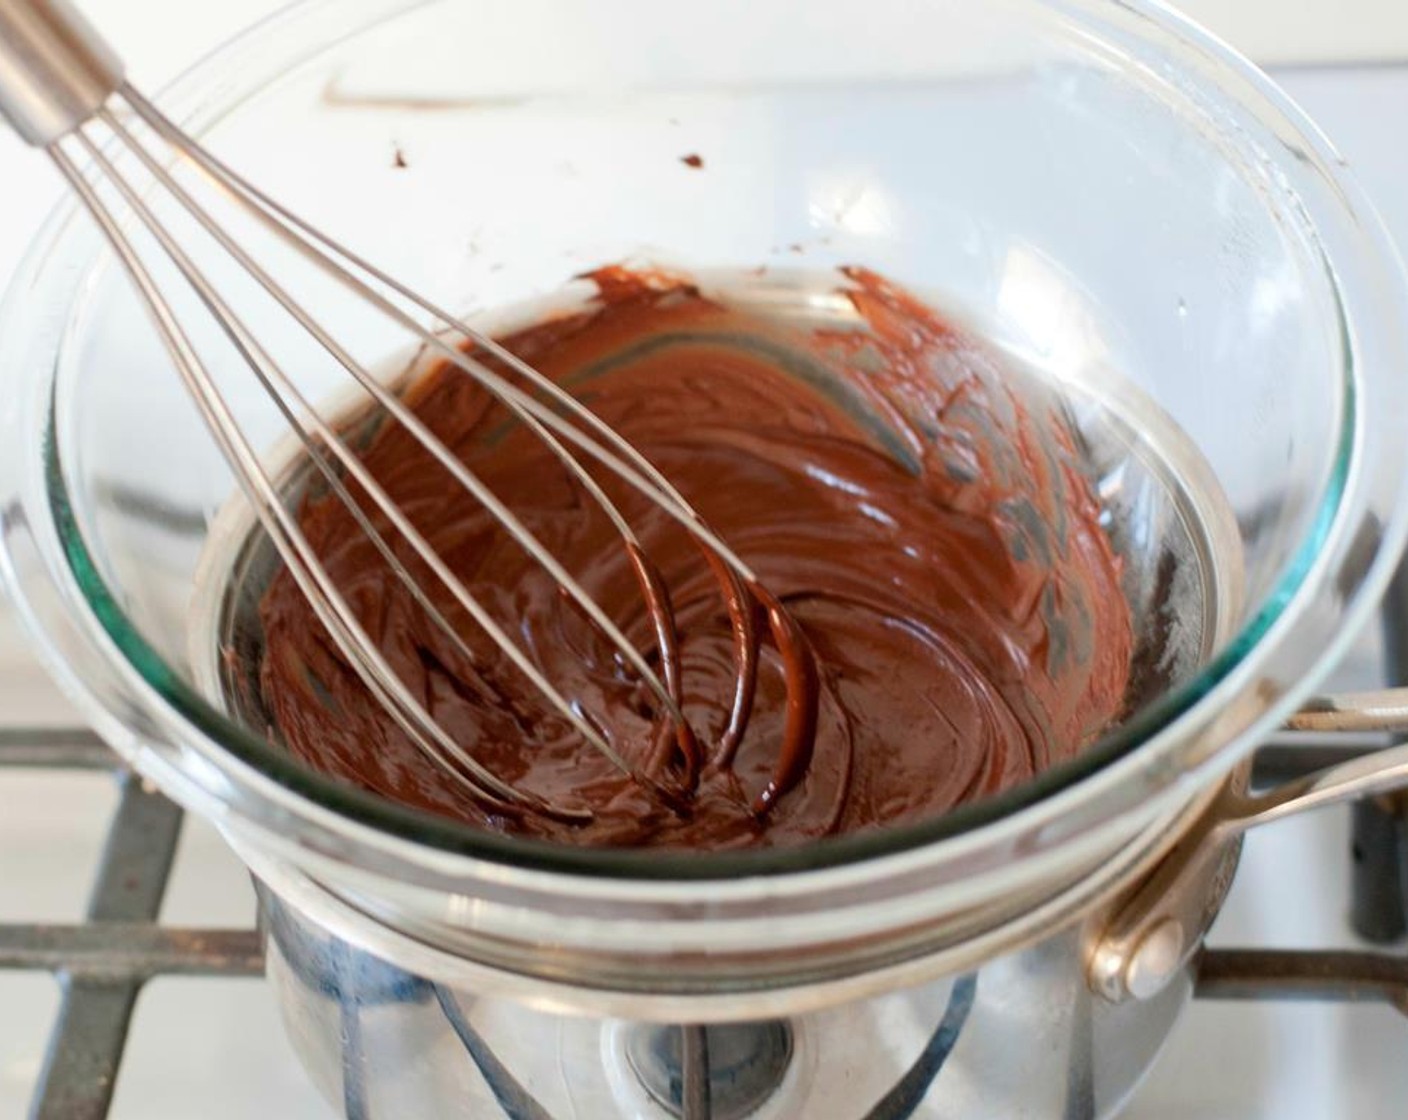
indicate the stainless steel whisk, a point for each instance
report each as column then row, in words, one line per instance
column 59, row 84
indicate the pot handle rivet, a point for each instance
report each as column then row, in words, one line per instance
column 1155, row 960
column 1154, row 931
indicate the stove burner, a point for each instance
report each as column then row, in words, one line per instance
column 725, row 1072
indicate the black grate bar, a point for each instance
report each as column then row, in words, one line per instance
column 1378, row 870
column 137, row 858
column 67, row 748
column 1286, row 974
column 80, row 1069
column 1379, row 898
column 694, row 1062
column 117, row 951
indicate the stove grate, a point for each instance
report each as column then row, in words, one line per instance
column 102, row 963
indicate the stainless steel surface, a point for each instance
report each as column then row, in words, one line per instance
column 723, row 1072
column 1163, row 911
column 1021, row 1036
column 55, row 72
column 1174, row 898
column 1163, row 962
column 1148, row 937
column 766, row 980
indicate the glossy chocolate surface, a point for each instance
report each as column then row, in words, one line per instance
column 919, row 515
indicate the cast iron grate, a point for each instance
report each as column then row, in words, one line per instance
column 102, row 963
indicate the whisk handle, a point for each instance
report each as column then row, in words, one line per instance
column 55, row 70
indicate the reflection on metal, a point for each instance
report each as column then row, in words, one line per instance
column 515, row 1101
column 719, row 1072
column 179, row 521
column 1153, row 933
column 904, row 1099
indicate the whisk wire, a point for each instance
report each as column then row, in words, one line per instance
column 59, row 80
column 545, row 419
column 264, row 367
column 730, row 571
column 627, row 462
column 313, row 580
column 403, row 414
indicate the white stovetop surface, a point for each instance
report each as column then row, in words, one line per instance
column 214, row 1049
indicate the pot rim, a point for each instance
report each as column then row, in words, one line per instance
column 680, row 990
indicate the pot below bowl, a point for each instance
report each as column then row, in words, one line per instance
column 389, row 1025
column 1022, row 1035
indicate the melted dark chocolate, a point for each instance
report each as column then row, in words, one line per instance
column 941, row 560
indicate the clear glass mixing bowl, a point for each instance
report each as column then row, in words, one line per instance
column 1117, row 197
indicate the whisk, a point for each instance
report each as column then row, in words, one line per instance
column 63, row 89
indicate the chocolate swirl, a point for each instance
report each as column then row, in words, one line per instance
column 917, row 507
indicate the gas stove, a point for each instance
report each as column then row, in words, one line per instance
column 142, row 1000
column 129, row 956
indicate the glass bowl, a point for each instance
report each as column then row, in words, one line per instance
column 1122, row 202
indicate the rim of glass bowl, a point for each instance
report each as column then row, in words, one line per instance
column 189, row 94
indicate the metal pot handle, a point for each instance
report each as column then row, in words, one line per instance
column 1156, row 930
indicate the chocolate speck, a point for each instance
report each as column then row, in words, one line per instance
column 398, row 159
column 694, row 160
